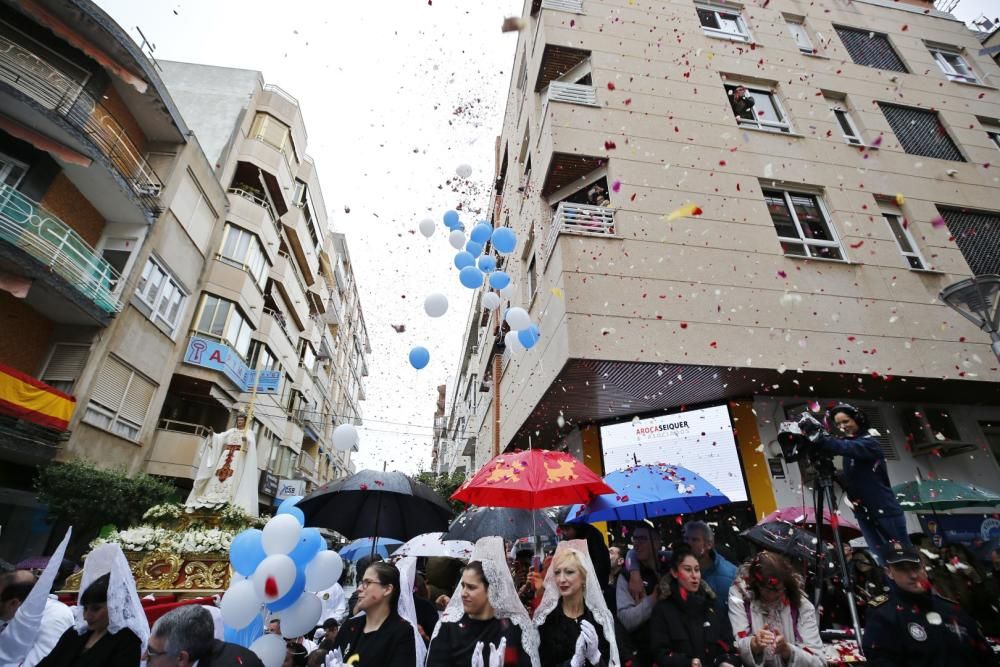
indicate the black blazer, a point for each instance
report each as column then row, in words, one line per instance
column 225, row 654
column 684, row 627
column 122, row 649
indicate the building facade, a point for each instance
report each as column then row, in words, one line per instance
column 681, row 245
column 164, row 251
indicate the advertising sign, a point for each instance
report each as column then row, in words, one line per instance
column 218, row 357
column 268, row 483
column 290, row 487
column 960, row 528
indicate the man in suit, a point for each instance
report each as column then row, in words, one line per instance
column 186, row 635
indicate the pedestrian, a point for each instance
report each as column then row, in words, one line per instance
column 380, row 636
column 26, row 643
column 914, row 626
column 634, row 613
column 185, row 636
column 716, row 571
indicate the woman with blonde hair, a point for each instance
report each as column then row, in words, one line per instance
column 576, row 627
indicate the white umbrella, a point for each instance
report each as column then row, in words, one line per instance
column 430, row 544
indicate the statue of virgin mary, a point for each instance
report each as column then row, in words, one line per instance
column 227, row 470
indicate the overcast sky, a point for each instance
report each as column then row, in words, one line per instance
column 395, row 96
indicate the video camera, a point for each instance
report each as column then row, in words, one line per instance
column 797, row 437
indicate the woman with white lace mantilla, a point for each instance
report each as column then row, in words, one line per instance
column 576, row 627
column 485, row 624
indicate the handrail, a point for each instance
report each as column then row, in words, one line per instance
column 25, row 224
column 582, row 219
column 183, row 427
column 49, row 86
column 573, row 93
column 259, row 201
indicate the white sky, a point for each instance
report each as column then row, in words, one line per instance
column 395, row 95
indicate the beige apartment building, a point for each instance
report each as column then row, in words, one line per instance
column 862, row 181
column 163, row 236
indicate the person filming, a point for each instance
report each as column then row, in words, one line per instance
column 865, row 477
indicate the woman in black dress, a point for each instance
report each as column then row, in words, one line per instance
column 380, row 637
column 95, row 646
column 576, row 627
column 685, row 625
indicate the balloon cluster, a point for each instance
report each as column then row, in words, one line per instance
column 479, row 271
column 280, row 569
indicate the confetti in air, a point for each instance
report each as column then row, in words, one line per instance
column 686, row 211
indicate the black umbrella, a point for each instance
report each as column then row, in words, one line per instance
column 789, row 540
column 507, row 522
column 372, row 503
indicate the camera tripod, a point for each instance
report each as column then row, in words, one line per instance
column 824, row 495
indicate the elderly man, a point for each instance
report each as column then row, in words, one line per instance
column 186, row 636
column 716, row 571
column 32, row 642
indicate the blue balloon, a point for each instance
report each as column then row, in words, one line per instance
column 473, row 248
column 471, row 277
column 504, row 240
column 481, row 232
column 464, row 259
column 310, row 543
column 499, row 280
column 288, row 506
column 451, row 220
column 487, row 264
column 419, row 357
column 292, row 596
column 246, row 551
column 528, row 337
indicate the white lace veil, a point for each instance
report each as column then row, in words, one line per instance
column 407, row 575
column 593, row 597
column 124, row 608
column 502, row 595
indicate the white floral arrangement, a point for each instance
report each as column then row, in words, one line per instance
column 149, row 539
column 165, row 511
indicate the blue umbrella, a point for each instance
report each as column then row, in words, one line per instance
column 363, row 547
column 647, row 492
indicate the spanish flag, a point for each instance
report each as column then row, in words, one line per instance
column 24, row 397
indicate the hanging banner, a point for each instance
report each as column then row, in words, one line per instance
column 218, row 357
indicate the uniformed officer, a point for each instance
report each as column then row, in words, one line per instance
column 915, row 627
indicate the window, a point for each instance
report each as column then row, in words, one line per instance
column 65, row 364
column 260, row 357
column 307, row 356
column 977, row 234
column 243, row 250
column 722, row 22
column 303, row 200
column 953, row 64
column 532, row 279
column 221, row 319
column 274, row 133
column 802, row 224
column 11, row 171
column 920, row 132
column 161, row 294
column 900, row 231
column 870, row 49
column 994, row 137
column 757, row 108
column 797, row 29
column 120, row 400
column 118, row 253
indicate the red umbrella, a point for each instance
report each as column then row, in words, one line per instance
column 806, row 516
column 532, row 479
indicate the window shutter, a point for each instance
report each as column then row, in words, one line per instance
column 877, row 422
column 66, row 363
column 109, row 389
column 870, row 49
column 137, row 399
column 978, row 237
column 920, row 132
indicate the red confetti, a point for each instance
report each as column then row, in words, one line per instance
column 627, row 101
column 684, row 325
column 616, row 186
column 858, row 244
column 611, row 86
column 609, row 145
column 782, row 274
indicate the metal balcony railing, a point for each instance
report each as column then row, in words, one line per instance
column 582, row 219
column 28, row 226
column 574, row 93
column 183, row 427
column 259, row 201
column 53, row 89
column 574, row 6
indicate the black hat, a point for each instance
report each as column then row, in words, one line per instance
column 857, row 415
column 894, row 552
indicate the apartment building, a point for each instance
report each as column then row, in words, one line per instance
column 814, row 228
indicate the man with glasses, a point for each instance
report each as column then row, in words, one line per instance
column 185, row 636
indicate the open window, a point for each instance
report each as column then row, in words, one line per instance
column 757, row 107
column 952, row 62
column 797, row 29
column 845, row 120
column 722, row 21
column 900, row 228
column 802, row 224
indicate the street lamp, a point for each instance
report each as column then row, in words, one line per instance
column 976, row 299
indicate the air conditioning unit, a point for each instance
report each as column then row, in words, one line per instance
column 933, row 431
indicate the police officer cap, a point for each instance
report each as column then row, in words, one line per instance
column 851, row 412
column 894, row 552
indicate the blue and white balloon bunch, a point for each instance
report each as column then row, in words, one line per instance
column 279, row 569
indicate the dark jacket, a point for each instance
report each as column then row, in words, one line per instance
column 455, row 642
column 865, row 477
column 392, row 645
column 559, row 634
column 898, row 633
column 685, row 626
column 122, row 649
column 225, row 654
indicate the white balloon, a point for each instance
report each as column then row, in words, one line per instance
column 271, row 650
column 281, row 534
column 457, row 239
column 240, row 605
column 518, row 318
column 491, row 301
column 323, row 570
column 509, row 292
column 301, row 617
column 513, row 344
column 345, row 437
column 464, row 170
column 427, row 227
column 278, row 567
column 436, row 304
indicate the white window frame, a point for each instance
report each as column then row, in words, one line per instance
column 159, row 296
column 840, row 111
column 243, row 329
column 802, row 240
column 743, row 32
column 889, row 211
column 531, row 277
column 109, row 418
column 780, row 127
column 939, row 53
column 254, row 260
column 800, row 34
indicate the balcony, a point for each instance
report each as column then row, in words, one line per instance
column 307, row 464
column 52, row 89
column 557, row 61
column 257, row 200
column 335, row 309
column 573, row 6
column 571, row 93
column 25, row 225
column 579, row 219
column 175, row 445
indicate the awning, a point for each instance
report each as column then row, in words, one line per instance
column 42, row 142
column 32, row 400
